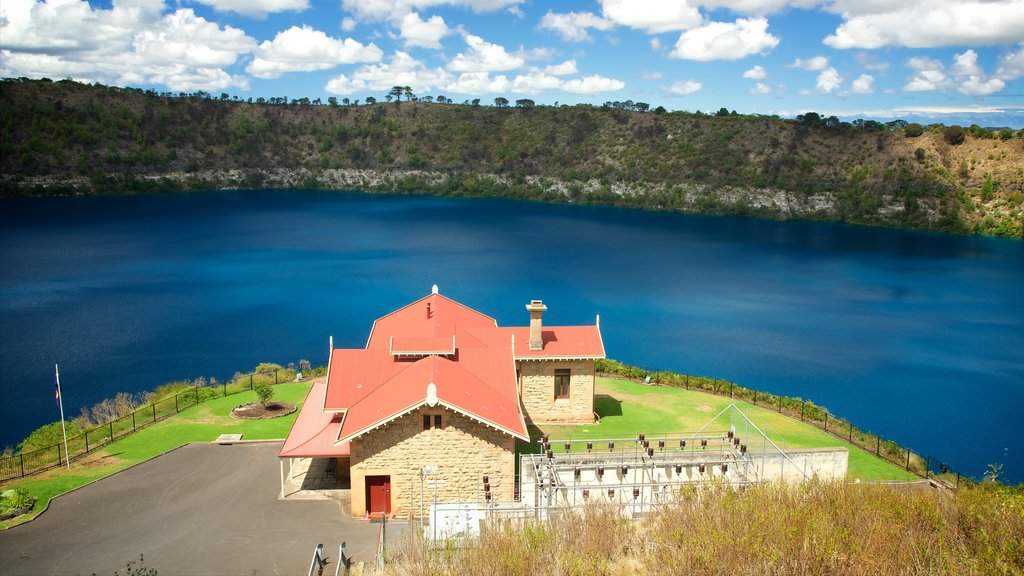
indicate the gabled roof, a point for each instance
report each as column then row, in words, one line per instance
column 433, row 316
column 314, row 432
column 560, row 342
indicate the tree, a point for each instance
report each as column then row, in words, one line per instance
column 475, row 102
column 501, row 102
column 264, row 391
column 913, row 130
column 370, row 101
column 660, row 110
column 524, row 103
column 408, row 93
column 722, row 112
column 954, row 134
column 332, row 100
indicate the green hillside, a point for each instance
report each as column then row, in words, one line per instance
column 65, row 137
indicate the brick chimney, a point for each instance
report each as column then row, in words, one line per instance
column 536, row 308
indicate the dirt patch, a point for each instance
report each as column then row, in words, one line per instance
column 704, row 408
column 257, row 411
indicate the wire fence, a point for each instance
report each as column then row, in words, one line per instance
column 36, row 461
column 927, row 467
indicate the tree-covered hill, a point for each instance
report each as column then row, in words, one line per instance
column 66, row 137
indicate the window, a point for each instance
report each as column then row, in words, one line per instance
column 432, row 418
column 426, row 421
column 437, row 421
column 562, row 376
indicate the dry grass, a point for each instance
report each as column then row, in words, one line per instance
column 818, row 528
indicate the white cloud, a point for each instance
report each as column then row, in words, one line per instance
column 305, row 50
column 1011, row 66
column 653, row 76
column 685, row 87
column 573, row 26
column 725, row 41
column 130, row 43
column 402, row 70
column 815, row 64
column 423, row 33
column 964, row 76
column 563, row 69
column 256, row 8
column 655, row 44
column 479, row 83
column 535, row 82
column 652, row 16
column 592, row 85
column 758, row 7
column 864, row 84
column 756, row 73
column 829, row 80
column 348, row 24
column 926, row 23
column 516, row 11
column 535, row 53
column 761, row 88
column 395, row 10
column 484, row 57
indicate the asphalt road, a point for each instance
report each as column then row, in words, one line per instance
column 201, row 509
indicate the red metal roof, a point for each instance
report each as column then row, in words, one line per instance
column 314, row 432
column 432, row 352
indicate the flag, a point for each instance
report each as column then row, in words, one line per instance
column 56, row 387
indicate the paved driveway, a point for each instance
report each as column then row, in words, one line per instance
column 201, row 509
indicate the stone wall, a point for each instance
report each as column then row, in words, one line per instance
column 461, row 452
column 537, row 383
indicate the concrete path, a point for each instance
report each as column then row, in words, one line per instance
column 201, row 509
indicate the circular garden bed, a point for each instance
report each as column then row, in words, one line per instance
column 257, row 411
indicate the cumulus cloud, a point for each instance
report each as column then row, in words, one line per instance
column 484, row 57
column 864, row 84
column 129, row 43
column 479, row 83
column 829, row 80
column 348, row 24
column 725, row 41
column 563, row 69
column 685, row 87
column 756, row 73
column 573, row 26
column 305, row 50
column 593, row 84
column 402, row 70
column 1011, row 65
column 653, row 16
column 815, row 64
column 964, row 76
column 395, row 10
column 535, row 82
column 926, row 23
column 256, row 8
column 760, row 89
column 423, row 33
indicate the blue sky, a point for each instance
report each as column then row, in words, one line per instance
column 954, row 61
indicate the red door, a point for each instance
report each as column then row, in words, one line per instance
column 378, row 495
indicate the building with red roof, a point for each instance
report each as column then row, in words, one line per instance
column 440, row 395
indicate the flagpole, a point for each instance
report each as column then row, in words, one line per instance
column 60, row 402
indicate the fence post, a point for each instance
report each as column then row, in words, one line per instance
column 22, row 457
column 927, row 467
column 780, row 404
column 197, row 395
column 250, row 381
column 878, row 446
column 58, row 454
column 908, row 459
column 851, row 432
column 133, row 421
column 175, row 403
column 732, row 386
column 87, row 441
column 225, row 389
column 153, row 405
column 826, row 421
column 802, row 404
column 755, row 397
column 275, row 375
column 111, row 430
column 687, row 381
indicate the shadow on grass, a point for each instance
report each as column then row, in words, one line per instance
column 606, row 405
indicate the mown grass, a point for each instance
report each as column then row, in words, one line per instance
column 815, row 528
column 202, row 423
column 628, row 408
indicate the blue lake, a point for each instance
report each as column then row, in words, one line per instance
column 918, row 337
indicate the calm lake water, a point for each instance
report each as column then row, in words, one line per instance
column 918, row 337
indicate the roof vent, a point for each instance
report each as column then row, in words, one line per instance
column 433, row 289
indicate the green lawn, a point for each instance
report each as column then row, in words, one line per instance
column 627, row 408
column 203, row 423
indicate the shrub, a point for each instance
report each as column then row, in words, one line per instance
column 48, row 436
column 919, row 154
column 15, row 502
column 913, row 130
column 954, row 135
column 264, row 391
